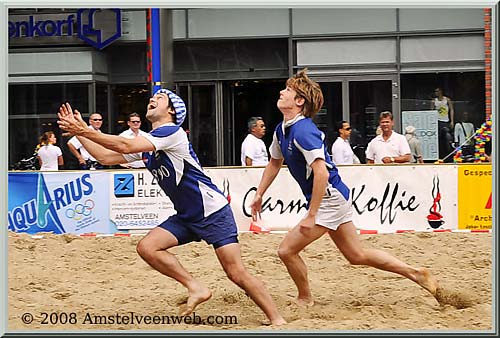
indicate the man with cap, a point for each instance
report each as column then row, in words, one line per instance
column 202, row 209
column 415, row 145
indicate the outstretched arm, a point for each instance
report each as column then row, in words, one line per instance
column 101, row 154
column 72, row 124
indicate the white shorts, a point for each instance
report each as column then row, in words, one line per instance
column 334, row 210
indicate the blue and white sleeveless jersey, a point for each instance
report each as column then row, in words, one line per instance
column 299, row 142
column 177, row 170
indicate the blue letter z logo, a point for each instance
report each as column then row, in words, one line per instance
column 124, row 185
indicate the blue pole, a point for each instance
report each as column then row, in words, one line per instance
column 155, row 49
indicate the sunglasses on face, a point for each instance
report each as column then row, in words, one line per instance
column 135, row 121
column 96, row 119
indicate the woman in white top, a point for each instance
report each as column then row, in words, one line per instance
column 49, row 155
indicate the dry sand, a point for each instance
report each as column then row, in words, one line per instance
column 104, row 276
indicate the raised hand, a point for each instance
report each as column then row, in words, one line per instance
column 70, row 121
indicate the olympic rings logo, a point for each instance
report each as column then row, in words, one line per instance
column 80, row 210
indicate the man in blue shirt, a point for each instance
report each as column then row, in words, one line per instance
column 300, row 144
column 202, row 209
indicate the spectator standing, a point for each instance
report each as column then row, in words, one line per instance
column 415, row 145
column 253, row 149
column 463, row 131
column 341, row 149
column 390, row 146
column 446, row 116
column 134, row 122
column 85, row 160
column 49, row 155
column 444, row 106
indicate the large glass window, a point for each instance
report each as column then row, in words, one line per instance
column 465, row 89
column 22, row 99
column 101, row 98
column 129, row 99
column 33, row 110
column 367, row 99
column 255, row 98
column 40, row 99
column 331, row 111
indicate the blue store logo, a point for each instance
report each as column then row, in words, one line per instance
column 124, row 185
column 97, row 27
column 93, row 35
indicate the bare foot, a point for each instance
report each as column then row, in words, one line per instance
column 194, row 299
column 302, row 302
column 427, row 281
column 278, row 322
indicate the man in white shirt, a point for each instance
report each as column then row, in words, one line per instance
column 79, row 151
column 390, row 146
column 253, row 149
column 464, row 130
column 341, row 149
column 134, row 122
column 203, row 211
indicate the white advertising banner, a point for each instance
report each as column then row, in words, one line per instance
column 137, row 201
column 390, row 198
column 282, row 206
column 386, row 198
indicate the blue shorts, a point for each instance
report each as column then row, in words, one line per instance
column 218, row 229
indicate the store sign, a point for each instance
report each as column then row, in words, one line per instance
column 97, row 27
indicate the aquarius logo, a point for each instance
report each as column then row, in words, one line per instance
column 34, row 215
column 40, row 212
column 97, row 27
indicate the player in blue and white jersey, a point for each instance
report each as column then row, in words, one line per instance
column 202, row 209
column 300, row 145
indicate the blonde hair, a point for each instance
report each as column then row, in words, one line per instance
column 309, row 90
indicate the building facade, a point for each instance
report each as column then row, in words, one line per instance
column 230, row 64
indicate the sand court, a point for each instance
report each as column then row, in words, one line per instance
column 93, row 283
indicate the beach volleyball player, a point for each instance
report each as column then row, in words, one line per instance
column 300, row 144
column 202, row 209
